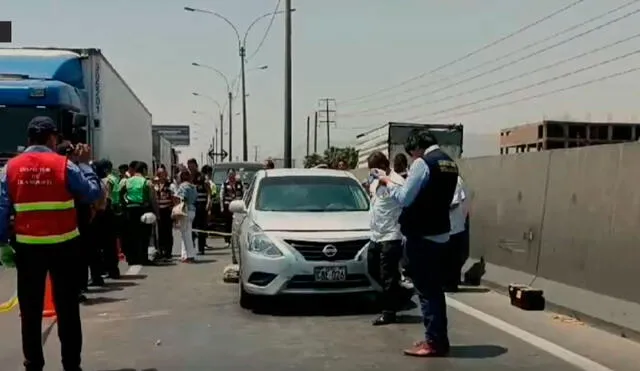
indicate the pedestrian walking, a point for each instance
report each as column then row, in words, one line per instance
column 426, row 197
column 138, row 198
column 41, row 185
column 203, row 200
column 105, row 223
column 232, row 189
column 186, row 197
column 164, row 195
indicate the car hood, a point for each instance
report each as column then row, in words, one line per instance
column 312, row 222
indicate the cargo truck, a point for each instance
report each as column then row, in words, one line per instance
column 82, row 92
column 162, row 152
column 391, row 138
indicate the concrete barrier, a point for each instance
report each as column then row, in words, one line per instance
column 567, row 221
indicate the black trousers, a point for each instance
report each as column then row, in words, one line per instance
column 136, row 236
column 383, row 259
column 200, row 222
column 105, row 232
column 165, row 233
column 33, row 262
column 457, row 253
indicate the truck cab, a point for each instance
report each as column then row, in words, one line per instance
column 40, row 83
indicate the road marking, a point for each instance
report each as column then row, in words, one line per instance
column 133, row 270
column 564, row 354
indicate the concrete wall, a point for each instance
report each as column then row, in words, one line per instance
column 568, row 216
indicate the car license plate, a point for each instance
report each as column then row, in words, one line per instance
column 330, row 273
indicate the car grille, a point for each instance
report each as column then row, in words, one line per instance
column 308, row 282
column 312, row 251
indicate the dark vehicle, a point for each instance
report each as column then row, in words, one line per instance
column 246, row 170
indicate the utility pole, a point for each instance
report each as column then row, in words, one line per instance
column 221, row 134
column 255, row 153
column 308, row 128
column 245, row 144
column 326, row 104
column 287, row 86
column 230, row 126
column 215, row 143
column 315, row 133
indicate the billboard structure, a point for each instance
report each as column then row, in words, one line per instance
column 5, row 32
column 177, row 135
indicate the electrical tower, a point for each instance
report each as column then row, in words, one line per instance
column 326, row 115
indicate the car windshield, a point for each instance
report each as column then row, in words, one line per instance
column 310, row 194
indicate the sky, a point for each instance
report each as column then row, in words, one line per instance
column 344, row 49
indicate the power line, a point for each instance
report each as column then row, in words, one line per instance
column 502, row 57
column 541, row 95
column 539, row 83
column 266, row 33
column 513, row 78
column 470, row 54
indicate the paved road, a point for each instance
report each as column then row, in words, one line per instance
column 182, row 317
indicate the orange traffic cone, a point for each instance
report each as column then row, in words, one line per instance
column 49, row 306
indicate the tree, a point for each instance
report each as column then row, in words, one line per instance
column 312, row 160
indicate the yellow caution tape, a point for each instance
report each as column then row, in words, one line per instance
column 8, row 305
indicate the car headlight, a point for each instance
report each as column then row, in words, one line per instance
column 259, row 243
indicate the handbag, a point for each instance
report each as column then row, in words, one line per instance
column 179, row 211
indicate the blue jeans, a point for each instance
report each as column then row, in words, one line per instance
column 426, row 268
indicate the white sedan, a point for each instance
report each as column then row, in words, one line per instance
column 301, row 231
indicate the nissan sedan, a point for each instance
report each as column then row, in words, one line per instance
column 301, row 231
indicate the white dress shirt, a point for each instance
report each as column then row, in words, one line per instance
column 459, row 208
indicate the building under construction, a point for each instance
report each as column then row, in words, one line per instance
column 551, row 134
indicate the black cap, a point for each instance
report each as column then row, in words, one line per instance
column 42, row 125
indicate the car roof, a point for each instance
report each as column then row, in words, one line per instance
column 306, row 172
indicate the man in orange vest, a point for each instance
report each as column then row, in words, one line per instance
column 40, row 186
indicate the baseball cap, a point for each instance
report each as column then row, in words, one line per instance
column 42, row 125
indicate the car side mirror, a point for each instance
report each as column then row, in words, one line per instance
column 237, row 207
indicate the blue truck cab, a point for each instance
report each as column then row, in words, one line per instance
column 41, row 82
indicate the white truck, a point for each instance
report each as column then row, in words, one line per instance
column 391, row 138
column 82, row 92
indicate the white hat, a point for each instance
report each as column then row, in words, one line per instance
column 148, row 218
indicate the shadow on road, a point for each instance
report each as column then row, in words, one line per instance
column 471, row 290
column 323, row 305
column 476, row 351
column 204, row 261
column 102, row 300
column 133, row 276
column 133, row 369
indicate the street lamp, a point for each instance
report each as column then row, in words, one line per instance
column 220, row 110
column 242, row 43
column 229, row 95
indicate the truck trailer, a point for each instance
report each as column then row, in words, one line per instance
column 391, row 138
column 82, row 92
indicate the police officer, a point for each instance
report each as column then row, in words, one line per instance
column 202, row 203
column 41, row 185
column 137, row 197
column 426, row 198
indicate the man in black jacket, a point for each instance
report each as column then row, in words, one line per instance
column 426, row 196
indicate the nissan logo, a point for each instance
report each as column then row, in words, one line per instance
column 330, row 251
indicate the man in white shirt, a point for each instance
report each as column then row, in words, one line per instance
column 458, row 249
column 385, row 249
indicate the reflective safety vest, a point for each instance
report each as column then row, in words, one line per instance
column 115, row 189
column 199, row 181
column 137, row 191
column 45, row 212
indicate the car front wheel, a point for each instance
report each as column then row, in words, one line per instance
column 247, row 301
